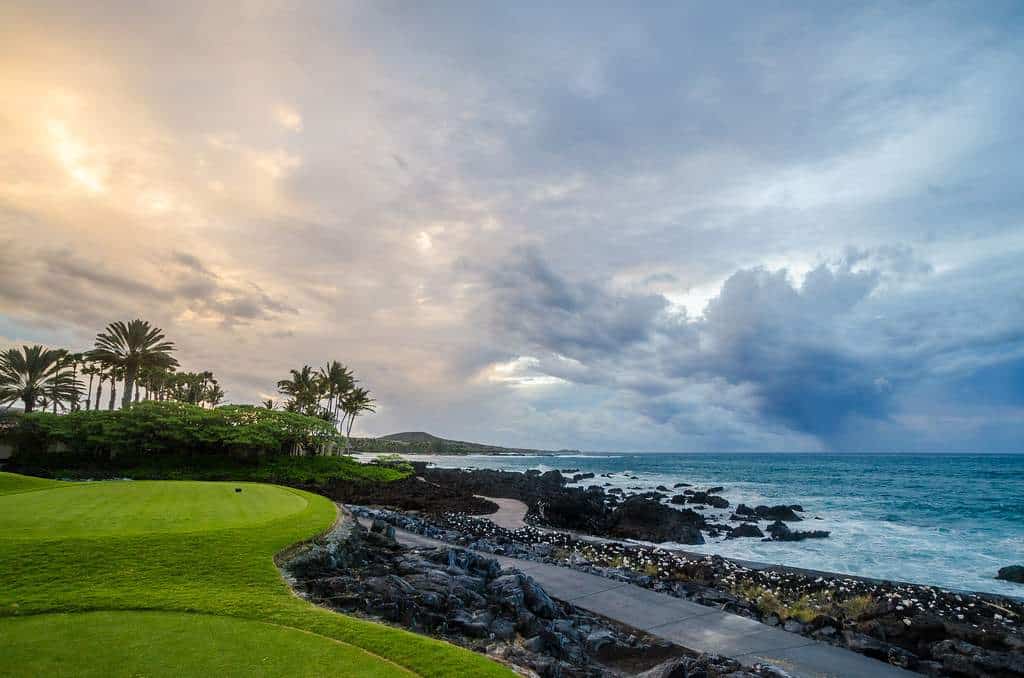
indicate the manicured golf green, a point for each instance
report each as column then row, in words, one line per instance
column 177, row 578
column 129, row 508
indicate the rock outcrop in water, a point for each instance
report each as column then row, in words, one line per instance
column 781, row 532
column 780, row 512
column 1014, row 573
column 745, row 530
column 650, row 520
column 705, row 498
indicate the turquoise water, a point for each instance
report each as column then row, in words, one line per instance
column 949, row 520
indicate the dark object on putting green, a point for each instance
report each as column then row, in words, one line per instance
column 238, row 489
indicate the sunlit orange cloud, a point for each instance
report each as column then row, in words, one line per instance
column 177, row 215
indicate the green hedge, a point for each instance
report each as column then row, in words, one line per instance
column 159, row 428
column 305, row 472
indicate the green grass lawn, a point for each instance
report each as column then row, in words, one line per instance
column 146, row 507
column 12, row 483
column 177, row 578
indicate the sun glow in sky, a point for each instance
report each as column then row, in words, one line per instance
column 792, row 226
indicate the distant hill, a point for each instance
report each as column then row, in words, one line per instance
column 416, row 437
column 421, row 442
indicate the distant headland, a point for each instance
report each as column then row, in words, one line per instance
column 421, row 442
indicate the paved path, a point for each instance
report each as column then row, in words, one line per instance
column 510, row 514
column 697, row 627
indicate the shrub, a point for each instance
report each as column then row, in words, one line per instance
column 160, row 428
column 857, row 606
column 393, row 461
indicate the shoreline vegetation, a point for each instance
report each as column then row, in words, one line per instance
column 137, row 357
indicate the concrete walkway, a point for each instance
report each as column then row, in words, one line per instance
column 697, row 627
column 511, row 513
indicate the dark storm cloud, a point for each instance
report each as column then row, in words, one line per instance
column 784, row 339
column 572, row 319
column 796, row 347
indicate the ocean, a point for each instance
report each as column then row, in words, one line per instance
column 941, row 519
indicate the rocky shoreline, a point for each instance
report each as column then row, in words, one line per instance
column 469, row 599
column 681, row 514
column 922, row 628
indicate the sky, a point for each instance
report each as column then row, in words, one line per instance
column 696, row 227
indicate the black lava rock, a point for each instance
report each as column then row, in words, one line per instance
column 1014, row 573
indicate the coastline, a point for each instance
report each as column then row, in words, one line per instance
column 921, row 628
column 930, row 527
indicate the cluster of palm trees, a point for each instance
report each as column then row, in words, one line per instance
column 38, row 376
column 330, row 393
column 132, row 354
column 136, row 356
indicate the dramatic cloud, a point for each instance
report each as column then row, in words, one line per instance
column 536, row 306
column 828, row 357
column 688, row 228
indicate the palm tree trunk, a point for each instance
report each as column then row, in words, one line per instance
column 74, row 379
column 113, row 393
column 88, row 393
column 348, row 431
column 29, row 403
column 99, row 392
column 56, row 386
column 129, row 383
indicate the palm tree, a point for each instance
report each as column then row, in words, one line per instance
column 336, row 381
column 90, row 369
column 132, row 346
column 58, row 390
column 114, row 373
column 214, row 394
column 31, row 373
column 58, row 378
column 303, row 390
column 157, row 380
column 76, row 360
column 354, row 403
column 100, row 367
column 187, row 387
column 269, row 404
